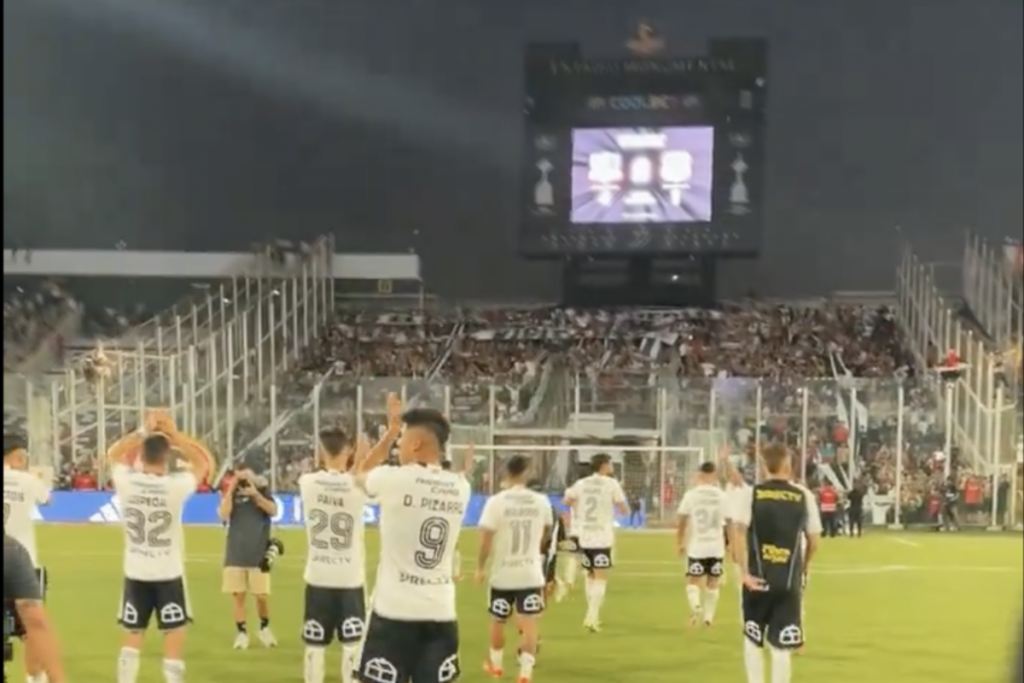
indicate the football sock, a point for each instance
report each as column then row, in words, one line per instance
column 753, row 661
column 174, row 671
column 570, row 570
column 38, row 678
column 264, row 622
column 526, row 662
column 693, row 597
column 128, row 665
column 349, row 662
column 240, row 625
column 710, row 603
column 782, row 665
column 313, row 665
column 598, row 587
column 497, row 659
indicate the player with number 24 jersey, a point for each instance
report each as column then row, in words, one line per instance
column 707, row 508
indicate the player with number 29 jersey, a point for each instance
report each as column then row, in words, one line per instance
column 333, row 507
column 151, row 506
column 420, row 520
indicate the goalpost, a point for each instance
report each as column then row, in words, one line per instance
column 657, row 476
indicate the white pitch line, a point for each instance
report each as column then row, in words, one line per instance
column 904, row 541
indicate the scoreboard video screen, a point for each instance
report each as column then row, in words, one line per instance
column 644, row 156
column 641, row 175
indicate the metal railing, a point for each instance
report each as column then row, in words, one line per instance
column 889, row 433
column 983, row 396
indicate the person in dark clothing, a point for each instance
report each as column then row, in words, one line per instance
column 23, row 597
column 950, row 497
column 248, row 507
column 635, row 509
column 776, row 530
column 855, row 509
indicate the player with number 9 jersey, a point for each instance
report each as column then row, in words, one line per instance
column 421, row 511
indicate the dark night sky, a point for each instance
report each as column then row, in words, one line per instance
column 395, row 124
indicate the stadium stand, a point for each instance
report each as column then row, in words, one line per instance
column 842, row 385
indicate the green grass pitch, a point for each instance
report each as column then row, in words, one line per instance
column 906, row 608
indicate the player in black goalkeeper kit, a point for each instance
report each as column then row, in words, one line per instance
column 776, row 532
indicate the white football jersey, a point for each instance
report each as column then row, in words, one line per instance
column 737, row 497
column 333, row 507
column 593, row 500
column 151, row 506
column 519, row 519
column 421, row 512
column 707, row 509
column 23, row 491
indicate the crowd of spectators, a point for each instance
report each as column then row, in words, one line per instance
column 614, row 360
column 32, row 317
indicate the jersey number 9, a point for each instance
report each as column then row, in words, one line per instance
column 433, row 540
column 151, row 530
column 336, row 527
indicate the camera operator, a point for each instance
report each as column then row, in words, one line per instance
column 23, row 601
column 248, row 508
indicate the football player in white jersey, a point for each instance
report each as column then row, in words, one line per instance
column 152, row 499
column 737, row 492
column 413, row 633
column 23, row 491
column 516, row 525
column 457, row 557
column 594, row 500
column 568, row 555
column 700, row 540
column 335, row 576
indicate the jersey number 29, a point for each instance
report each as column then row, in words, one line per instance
column 330, row 531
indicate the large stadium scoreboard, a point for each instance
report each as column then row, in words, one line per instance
column 646, row 155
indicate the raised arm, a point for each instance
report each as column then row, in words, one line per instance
column 379, row 453
column 732, row 475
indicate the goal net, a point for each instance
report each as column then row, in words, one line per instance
column 653, row 477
